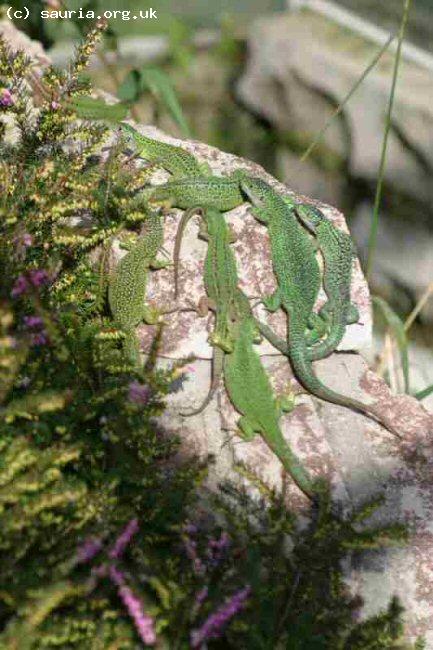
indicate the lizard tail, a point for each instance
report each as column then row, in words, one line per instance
column 291, row 463
column 304, row 373
column 178, row 242
column 217, row 370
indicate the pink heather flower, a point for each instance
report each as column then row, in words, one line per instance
column 88, row 550
column 39, row 277
column 217, row 548
column 6, row 98
column 214, row 625
column 27, row 240
column 139, row 393
column 55, row 105
column 201, row 596
column 33, row 322
column 35, row 277
column 124, row 539
column 21, row 285
column 144, row 623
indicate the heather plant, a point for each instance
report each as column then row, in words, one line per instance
column 104, row 541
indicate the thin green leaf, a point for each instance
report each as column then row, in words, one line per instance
column 159, row 84
column 396, row 326
column 422, row 394
column 89, row 108
column 345, row 100
column 372, row 241
column 130, row 88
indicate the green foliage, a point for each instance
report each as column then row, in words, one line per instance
column 89, row 108
column 422, row 394
column 156, row 82
column 80, row 454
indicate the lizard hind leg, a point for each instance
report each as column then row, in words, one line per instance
column 352, row 315
column 318, row 328
column 246, row 429
column 151, row 315
column 285, row 403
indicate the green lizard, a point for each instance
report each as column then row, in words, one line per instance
column 220, row 273
column 250, row 391
column 235, row 332
column 175, row 160
column 338, row 252
column 298, row 278
column 127, row 287
column 220, row 280
column 218, row 192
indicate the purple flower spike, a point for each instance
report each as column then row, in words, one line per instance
column 27, row 240
column 39, row 277
column 138, row 393
column 88, row 550
column 201, row 596
column 143, row 622
column 6, row 98
column 217, row 549
column 124, row 539
column 214, row 625
column 33, row 322
column 21, row 285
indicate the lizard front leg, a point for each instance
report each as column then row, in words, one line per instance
column 273, row 301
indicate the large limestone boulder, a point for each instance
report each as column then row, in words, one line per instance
column 360, row 458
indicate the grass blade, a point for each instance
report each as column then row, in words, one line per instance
column 344, row 101
column 425, row 392
column 396, row 326
column 159, row 84
column 375, row 216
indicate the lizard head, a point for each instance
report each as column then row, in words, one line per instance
column 255, row 188
column 129, row 133
column 310, row 217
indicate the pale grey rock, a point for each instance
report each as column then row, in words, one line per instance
column 405, row 258
column 298, row 61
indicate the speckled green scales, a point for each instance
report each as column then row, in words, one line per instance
column 127, row 288
column 218, row 192
column 338, row 252
column 251, row 393
column 174, row 159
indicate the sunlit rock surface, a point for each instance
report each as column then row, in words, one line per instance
column 360, row 458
